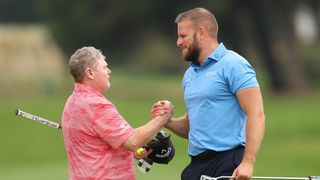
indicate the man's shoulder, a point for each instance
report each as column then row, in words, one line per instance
column 99, row 100
column 91, row 99
column 234, row 60
column 189, row 70
column 231, row 55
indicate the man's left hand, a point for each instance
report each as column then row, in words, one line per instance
column 244, row 171
column 142, row 154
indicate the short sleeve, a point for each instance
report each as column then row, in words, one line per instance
column 241, row 75
column 110, row 125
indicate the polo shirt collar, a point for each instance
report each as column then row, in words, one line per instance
column 78, row 87
column 215, row 55
column 218, row 52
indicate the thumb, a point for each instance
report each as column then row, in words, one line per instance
column 235, row 173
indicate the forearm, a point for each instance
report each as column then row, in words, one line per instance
column 254, row 135
column 144, row 134
column 179, row 126
column 251, row 102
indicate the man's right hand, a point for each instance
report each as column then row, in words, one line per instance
column 162, row 109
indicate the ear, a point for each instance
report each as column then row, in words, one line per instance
column 89, row 73
column 202, row 32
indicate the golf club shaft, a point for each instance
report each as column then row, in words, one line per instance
column 38, row 119
column 270, row 177
column 257, row 177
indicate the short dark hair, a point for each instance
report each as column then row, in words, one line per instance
column 200, row 17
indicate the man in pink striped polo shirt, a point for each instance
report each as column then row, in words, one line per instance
column 100, row 144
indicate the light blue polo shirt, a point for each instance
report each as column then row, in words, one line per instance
column 216, row 119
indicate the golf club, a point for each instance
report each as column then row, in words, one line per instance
column 38, row 119
column 204, row 177
column 45, row 122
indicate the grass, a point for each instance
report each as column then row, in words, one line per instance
column 31, row 151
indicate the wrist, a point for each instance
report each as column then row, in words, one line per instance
column 249, row 158
column 160, row 119
column 168, row 123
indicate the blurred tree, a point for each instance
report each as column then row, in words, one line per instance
column 122, row 28
column 315, row 5
column 18, row 11
column 311, row 50
column 112, row 25
column 272, row 31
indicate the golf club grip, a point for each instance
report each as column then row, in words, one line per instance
column 38, row 119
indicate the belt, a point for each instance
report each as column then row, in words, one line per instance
column 208, row 154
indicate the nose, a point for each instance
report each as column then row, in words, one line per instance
column 179, row 42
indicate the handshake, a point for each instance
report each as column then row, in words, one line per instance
column 162, row 148
column 162, row 111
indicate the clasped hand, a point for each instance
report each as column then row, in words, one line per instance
column 163, row 109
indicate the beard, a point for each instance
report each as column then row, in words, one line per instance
column 193, row 51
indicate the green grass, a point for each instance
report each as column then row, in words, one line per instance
column 31, row 151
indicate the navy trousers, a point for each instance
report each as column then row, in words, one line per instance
column 213, row 164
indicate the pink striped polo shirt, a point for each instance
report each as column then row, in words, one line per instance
column 94, row 132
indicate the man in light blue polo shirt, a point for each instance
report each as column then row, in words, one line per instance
column 225, row 118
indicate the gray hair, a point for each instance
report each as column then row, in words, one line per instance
column 83, row 58
column 200, row 17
